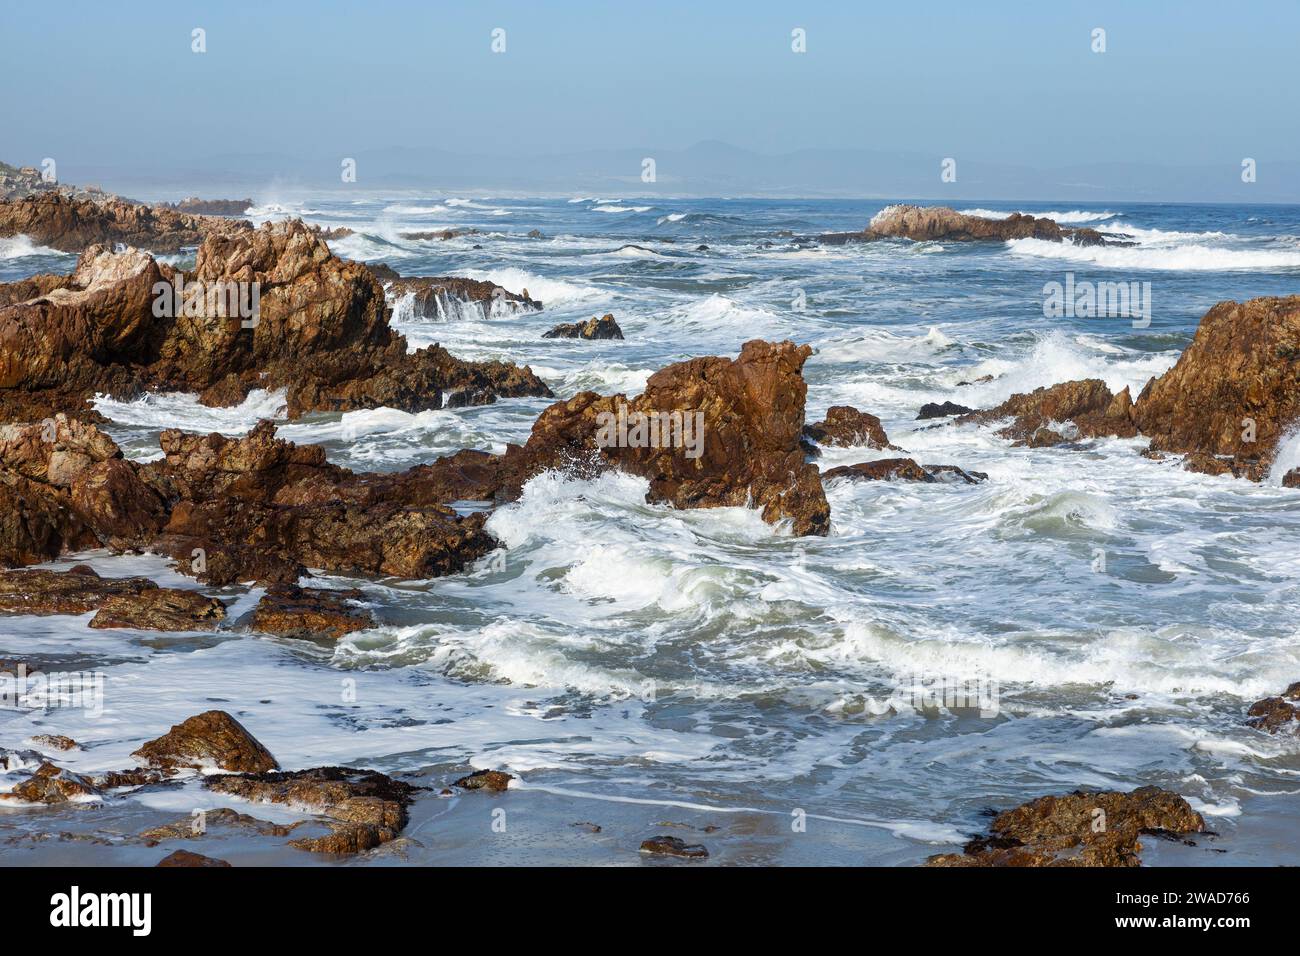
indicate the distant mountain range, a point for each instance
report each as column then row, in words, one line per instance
column 705, row 169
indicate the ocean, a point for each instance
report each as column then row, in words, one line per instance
column 1086, row 617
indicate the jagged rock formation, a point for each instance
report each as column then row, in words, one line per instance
column 267, row 308
column 71, row 225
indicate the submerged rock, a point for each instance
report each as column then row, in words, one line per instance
column 55, row 742
column 121, row 602
column 903, row 469
column 1080, row 829
column 846, row 427
column 186, row 858
column 207, row 740
column 188, row 828
column 934, row 223
column 365, row 808
column 674, row 846
column 497, row 780
column 1277, row 714
column 160, row 609
column 594, row 328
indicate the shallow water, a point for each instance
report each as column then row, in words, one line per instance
column 635, row 664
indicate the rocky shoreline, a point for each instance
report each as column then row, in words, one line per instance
column 262, row 510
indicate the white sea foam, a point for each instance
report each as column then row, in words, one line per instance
column 551, row 292
column 1069, row 217
column 183, row 410
column 21, row 247
column 1189, row 257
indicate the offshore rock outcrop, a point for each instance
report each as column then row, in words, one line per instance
column 447, row 298
column 73, row 224
column 122, row 323
column 934, row 223
column 1079, row 829
column 594, row 328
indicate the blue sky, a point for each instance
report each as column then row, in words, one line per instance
column 1013, row 82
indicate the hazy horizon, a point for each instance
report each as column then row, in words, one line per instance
column 432, row 97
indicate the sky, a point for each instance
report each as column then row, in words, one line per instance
column 112, row 87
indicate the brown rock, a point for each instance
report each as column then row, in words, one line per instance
column 751, row 410
column 1277, row 714
column 932, row 223
column 51, row 785
column 846, row 427
column 497, row 780
column 70, row 225
column 449, row 298
column 210, row 739
column 1080, row 829
column 222, row 817
column 291, row 611
column 55, row 742
column 934, row 410
column 75, row 591
column 186, row 858
column 594, row 328
column 321, row 331
column 160, row 609
column 365, row 808
column 1087, row 404
column 1242, row 364
column 674, row 846
column 1044, row 437
column 262, row 508
column 903, row 469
